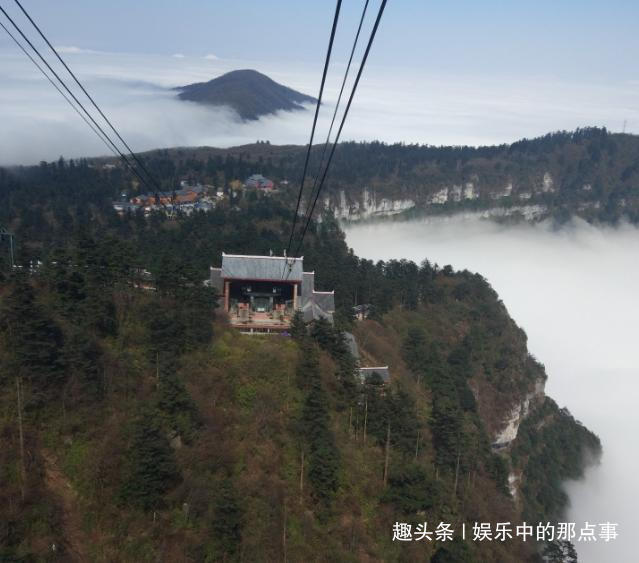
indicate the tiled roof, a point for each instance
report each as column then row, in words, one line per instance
column 261, row 267
column 325, row 300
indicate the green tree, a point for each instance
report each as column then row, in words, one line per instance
column 34, row 339
column 456, row 551
column 176, row 406
column 560, row 551
column 83, row 358
column 151, row 467
column 298, row 327
column 227, row 522
column 315, row 425
column 411, row 489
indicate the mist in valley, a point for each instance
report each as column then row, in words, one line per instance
column 392, row 105
column 574, row 291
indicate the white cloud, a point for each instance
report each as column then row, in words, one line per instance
column 390, row 106
column 73, row 50
column 211, row 57
column 178, row 56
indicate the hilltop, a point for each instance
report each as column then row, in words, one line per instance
column 590, row 173
column 250, row 93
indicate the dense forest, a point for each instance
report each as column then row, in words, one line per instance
column 137, row 425
column 590, row 173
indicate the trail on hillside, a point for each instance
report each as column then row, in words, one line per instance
column 74, row 538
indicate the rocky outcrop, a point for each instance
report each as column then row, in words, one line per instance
column 516, row 416
column 492, row 200
column 367, row 206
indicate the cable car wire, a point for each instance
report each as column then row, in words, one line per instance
column 95, row 105
column 317, row 108
column 17, row 42
column 339, row 131
column 78, row 102
column 339, row 99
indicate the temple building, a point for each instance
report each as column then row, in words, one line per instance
column 262, row 293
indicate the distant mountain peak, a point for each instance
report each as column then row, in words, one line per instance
column 249, row 92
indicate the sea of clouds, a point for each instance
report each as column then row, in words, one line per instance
column 391, row 105
column 574, row 291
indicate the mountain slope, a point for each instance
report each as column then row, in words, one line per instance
column 250, row 93
column 138, row 427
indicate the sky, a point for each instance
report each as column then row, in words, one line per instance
column 439, row 72
column 573, row 291
column 544, row 36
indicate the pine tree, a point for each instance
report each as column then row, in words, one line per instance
column 414, row 351
column 152, row 469
column 454, row 552
column 322, row 332
column 560, row 551
column 34, row 339
column 324, row 455
column 411, row 490
column 298, row 327
column 227, row 523
column 179, row 412
column 83, row 358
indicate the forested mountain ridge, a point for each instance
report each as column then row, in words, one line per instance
column 590, row 173
column 137, row 425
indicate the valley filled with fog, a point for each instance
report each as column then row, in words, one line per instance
column 574, row 291
column 135, row 92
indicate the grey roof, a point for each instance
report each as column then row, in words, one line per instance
column 312, row 312
column 363, row 308
column 257, row 180
column 315, row 304
column 124, row 205
column 308, row 286
column 325, row 300
column 382, row 371
column 274, row 268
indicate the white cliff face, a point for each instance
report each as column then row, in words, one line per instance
column 548, row 184
column 516, row 416
column 509, row 433
column 439, row 198
column 513, row 485
column 529, row 212
column 369, row 206
column 470, row 192
column 455, row 193
column 508, row 189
